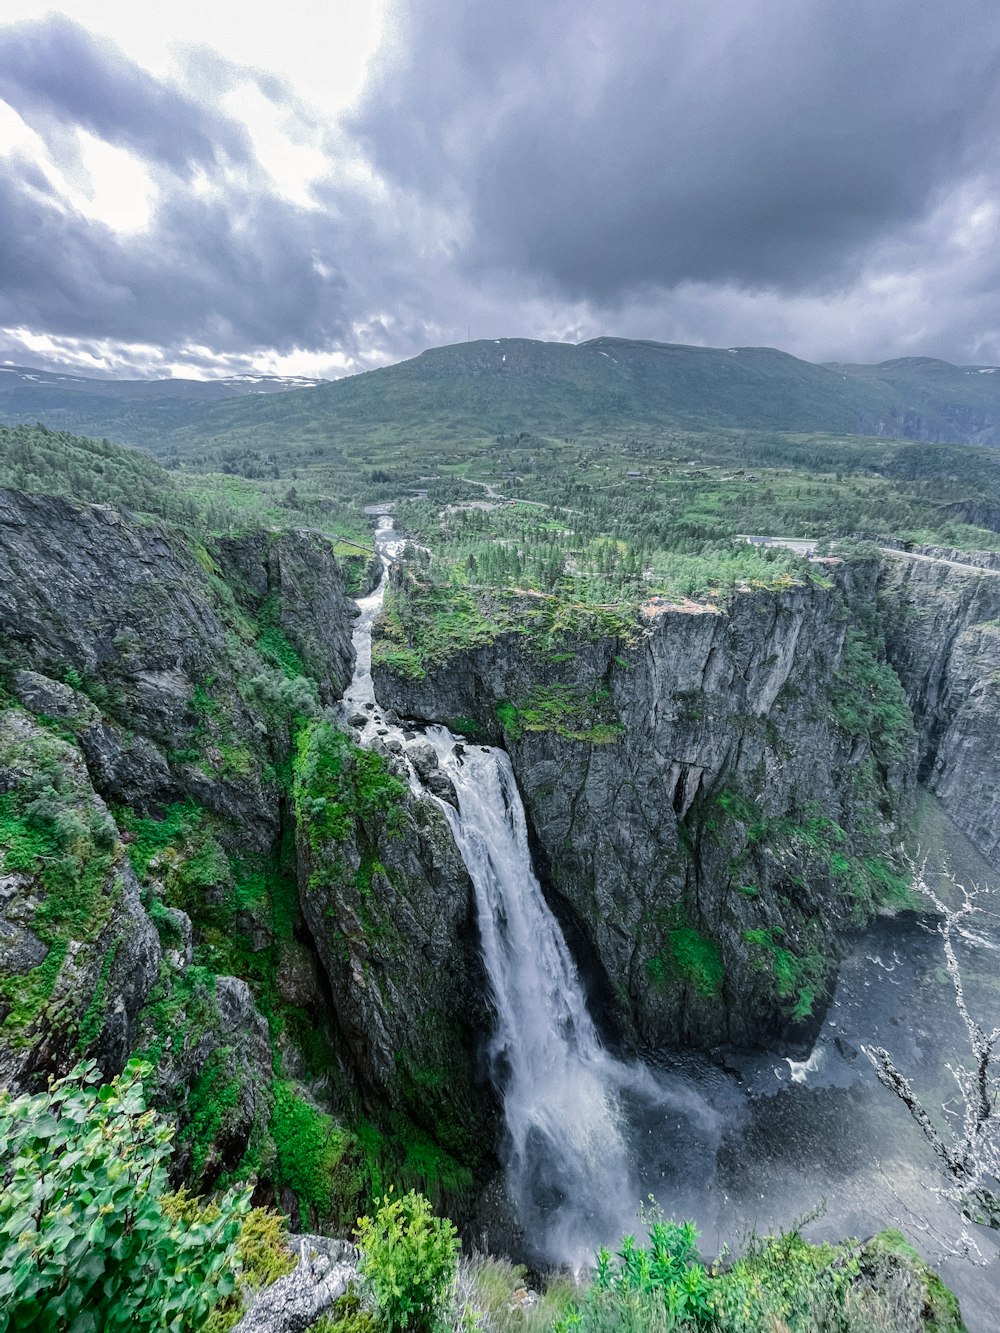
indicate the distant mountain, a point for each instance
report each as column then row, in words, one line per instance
column 126, row 411
column 611, row 386
column 474, row 391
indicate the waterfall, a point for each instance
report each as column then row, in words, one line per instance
column 568, row 1104
column 568, row 1166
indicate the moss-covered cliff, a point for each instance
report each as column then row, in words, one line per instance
column 162, row 707
column 715, row 799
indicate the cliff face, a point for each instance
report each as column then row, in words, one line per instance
column 148, row 688
column 941, row 611
column 170, row 884
column 144, row 623
column 712, row 805
column 389, row 904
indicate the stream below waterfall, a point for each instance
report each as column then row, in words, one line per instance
column 757, row 1143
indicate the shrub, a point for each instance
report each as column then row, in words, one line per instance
column 410, row 1259
column 86, row 1239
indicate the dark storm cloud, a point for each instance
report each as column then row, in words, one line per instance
column 53, row 72
column 761, row 143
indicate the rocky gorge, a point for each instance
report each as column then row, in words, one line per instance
column 202, row 866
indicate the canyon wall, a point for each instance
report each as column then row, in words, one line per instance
column 941, row 612
column 714, row 803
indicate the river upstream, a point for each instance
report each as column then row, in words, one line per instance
column 757, row 1144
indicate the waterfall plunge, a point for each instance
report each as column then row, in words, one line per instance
column 568, row 1104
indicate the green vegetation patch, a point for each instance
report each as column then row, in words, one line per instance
column 318, row 1160
column 53, row 831
column 689, row 957
column 869, row 699
column 337, row 783
column 568, row 710
column 797, row 977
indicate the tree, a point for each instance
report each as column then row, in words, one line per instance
column 968, row 1143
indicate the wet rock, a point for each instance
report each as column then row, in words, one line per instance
column 845, row 1048
column 423, row 757
column 359, row 720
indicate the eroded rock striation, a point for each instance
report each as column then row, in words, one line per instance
column 714, row 804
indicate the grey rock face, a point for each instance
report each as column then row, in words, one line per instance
column 160, row 649
column 695, row 840
column 210, row 1045
column 295, row 1302
column 119, row 762
column 298, row 572
column 943, row 634
column 157, row 666
column 390, row 911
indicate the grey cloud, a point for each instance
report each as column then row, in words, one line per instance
column 766, row 143
column 232, row 266
column 53, row 72
column 237, row 272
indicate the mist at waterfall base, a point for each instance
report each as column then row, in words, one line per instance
column 573, row 1112
column 756, row 1142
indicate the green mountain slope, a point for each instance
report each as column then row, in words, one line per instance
column 473, row 392
column 138, row 412
column 478, row 390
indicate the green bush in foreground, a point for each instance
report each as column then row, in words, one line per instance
column 780, row 1284
column 88, row 1242
column 410, row 1259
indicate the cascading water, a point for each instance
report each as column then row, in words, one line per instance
column 566, row 1100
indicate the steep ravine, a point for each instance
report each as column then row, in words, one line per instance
column 714, row 805
column 170, row 886
column 201, row 865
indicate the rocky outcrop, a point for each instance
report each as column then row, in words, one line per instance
column 84, row 973
column 78, row 953
column 941, row 610
column 712, row 803
column 166, row 659
column 389, row 905
column 157, row 678
column 294, row 1303
column 291, row 580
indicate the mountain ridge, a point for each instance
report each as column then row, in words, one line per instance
column 481, row 389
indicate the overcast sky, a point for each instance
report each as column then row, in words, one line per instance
column 322, row 186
